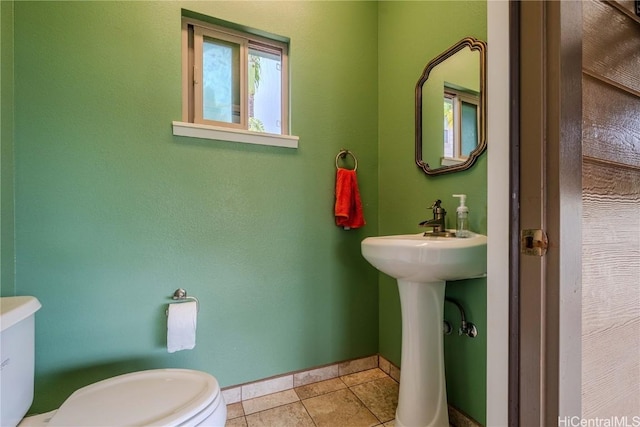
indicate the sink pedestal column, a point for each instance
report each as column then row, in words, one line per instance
column 423, row 398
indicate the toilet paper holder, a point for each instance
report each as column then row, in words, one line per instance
column 180, row 295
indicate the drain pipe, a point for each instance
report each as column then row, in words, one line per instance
column 466, row 328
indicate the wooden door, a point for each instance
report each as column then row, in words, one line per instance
column 548, row 287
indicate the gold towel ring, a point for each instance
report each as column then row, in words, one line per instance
column 342, row 154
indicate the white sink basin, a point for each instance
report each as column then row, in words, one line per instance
column 416, row 258
column 422, row 265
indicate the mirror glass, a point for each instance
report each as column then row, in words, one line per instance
column 450, row 109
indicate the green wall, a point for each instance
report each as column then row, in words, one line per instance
column 411, row 34
column 114, row 212
column 7, row 248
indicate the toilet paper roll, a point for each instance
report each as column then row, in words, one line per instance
column 181, row 326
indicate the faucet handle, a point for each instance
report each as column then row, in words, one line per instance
column 437, row 209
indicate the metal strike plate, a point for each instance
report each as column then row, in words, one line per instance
column 533, row 242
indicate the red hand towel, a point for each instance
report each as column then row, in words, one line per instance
column 348, row 208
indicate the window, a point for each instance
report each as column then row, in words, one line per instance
column 234, row 80
column 460, row 124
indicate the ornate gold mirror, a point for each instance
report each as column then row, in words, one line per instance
column 451, row 109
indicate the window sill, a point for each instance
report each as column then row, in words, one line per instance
column 194, row 130
column 450, row 161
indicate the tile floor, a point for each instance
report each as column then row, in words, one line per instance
column 367, row 398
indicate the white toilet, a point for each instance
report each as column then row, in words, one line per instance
column 158, row 397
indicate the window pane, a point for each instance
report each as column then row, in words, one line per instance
column 469, row 128
column 448, row 127
column 265, row 90
column 220, row 80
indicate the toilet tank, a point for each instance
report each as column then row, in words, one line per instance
column 17, row 357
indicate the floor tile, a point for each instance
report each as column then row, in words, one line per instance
column 384, row 364
column 322, row 387
column 339, row 408
column 291, row 415
column 232, row 395
column 394, row 372
column 380, row 396
column 261, row 388
column 315, row 375
column 460, row 419
column 236, row 422
column 235, row 410
column 269, row 401
column 364, row 376
column 346, row 368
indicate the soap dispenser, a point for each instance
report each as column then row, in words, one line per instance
column 462, row 217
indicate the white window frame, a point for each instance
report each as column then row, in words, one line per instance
column 199, row 33
column 193, row 124
column 458, row 98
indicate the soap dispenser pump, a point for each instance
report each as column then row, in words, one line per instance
column 462, row 217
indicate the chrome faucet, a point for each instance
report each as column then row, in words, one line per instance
column 437, row 223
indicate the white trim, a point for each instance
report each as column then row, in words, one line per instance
column 498, row 213
column 195, row 130
column 450, row 161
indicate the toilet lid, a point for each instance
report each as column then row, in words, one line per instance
column 158, row 397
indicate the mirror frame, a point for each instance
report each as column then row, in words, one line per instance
column 481, row 47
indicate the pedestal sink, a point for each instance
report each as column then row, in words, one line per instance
column 422, row 265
